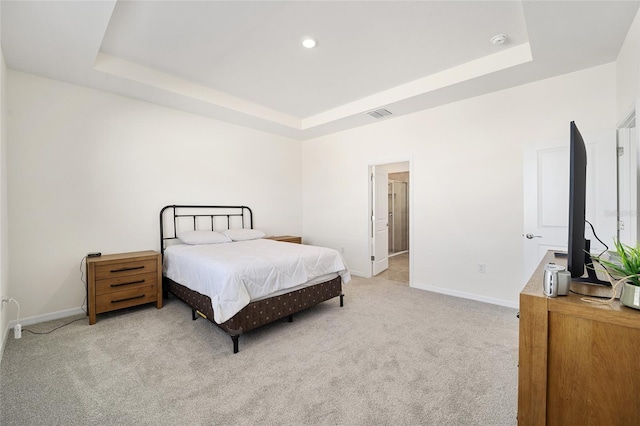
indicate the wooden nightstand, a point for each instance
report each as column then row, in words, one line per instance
column 287, row 239
column 122, row 280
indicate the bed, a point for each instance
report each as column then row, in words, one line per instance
column 244, row 281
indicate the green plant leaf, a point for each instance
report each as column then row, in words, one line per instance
column 629, row 262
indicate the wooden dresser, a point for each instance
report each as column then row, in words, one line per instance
column 579, row 363
column 287, row 239
column 117, row 281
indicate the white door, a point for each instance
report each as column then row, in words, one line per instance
column 546, row 196
column 379, row 220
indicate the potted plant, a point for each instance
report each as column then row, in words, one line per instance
column 626, row 267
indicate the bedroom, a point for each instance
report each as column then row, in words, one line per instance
column 86, row 170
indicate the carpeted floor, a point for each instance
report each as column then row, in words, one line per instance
column 391, row 355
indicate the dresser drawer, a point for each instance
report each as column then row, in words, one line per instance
column 126, row 298
column 122, row 269
column 126, row 282
column 122, row 280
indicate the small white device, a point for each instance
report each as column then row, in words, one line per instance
column 556, row 280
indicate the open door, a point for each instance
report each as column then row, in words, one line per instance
column 379, row 220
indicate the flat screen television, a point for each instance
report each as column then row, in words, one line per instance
column 578, row 253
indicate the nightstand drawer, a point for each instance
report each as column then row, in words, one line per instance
column 121, row 269
column 126, row 282
column 126, row 298
column 287, row 239
column 121, row 280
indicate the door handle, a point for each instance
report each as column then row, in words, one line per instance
column 531, row 236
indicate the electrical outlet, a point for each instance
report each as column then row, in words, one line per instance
column 482, row 268
column 17, row 331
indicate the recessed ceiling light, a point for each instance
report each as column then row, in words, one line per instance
column 499, row 39
column 309, row 42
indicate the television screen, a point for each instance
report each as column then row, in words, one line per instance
column 577, row 202
column 578, row 256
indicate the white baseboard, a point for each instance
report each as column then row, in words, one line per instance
column 454, row 293
column 5, row 334
column 47, row 317
column 464, row 295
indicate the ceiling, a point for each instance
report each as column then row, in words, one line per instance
column 243, row 62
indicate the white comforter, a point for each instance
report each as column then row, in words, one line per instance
column 233, row 274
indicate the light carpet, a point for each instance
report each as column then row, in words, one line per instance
column 392, row 355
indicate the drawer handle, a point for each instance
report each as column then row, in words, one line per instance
column 129, row 298
column 132, row 282
column 128, row 269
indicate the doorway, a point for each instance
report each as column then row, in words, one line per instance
column 398, row 213
column 390, row 211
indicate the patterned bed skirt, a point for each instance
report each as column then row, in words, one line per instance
column 262, row 311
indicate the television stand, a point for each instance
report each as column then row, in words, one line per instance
column 578, row 362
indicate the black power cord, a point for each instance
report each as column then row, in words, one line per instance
column 51, row 331
column 606, row 247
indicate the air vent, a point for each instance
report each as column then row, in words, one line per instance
column 379, row 113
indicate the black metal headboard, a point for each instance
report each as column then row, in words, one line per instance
column 175, row 218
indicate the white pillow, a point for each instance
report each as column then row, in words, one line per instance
column 243, row 234
column 203, row 237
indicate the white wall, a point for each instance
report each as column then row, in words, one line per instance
column 628, row 102
column 466, row 179
column 4, row 239
column 402, row 166
column 90, row 171
column 628, row 71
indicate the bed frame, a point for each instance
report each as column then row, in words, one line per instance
column 255, row 314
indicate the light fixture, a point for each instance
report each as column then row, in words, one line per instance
column 499, row 39
column 309, row 42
